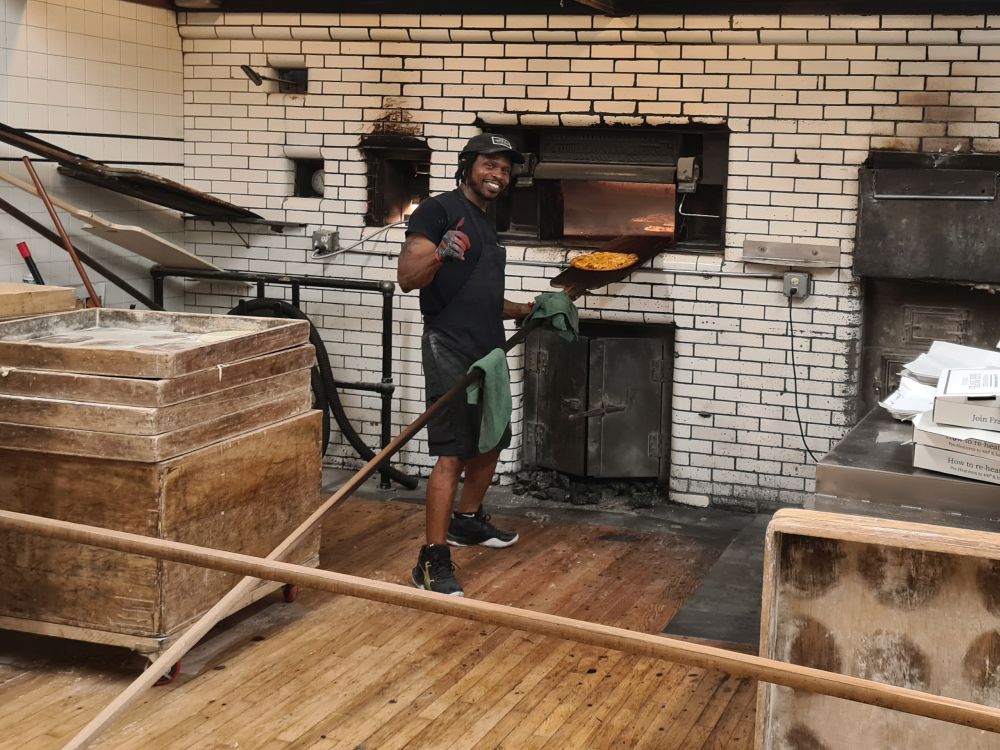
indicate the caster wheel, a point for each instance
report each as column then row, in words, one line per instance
column 169, row 676
column 290, row 592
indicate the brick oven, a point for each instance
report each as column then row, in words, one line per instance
column 801, row 101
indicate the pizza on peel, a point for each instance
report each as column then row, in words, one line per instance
column 604, row 261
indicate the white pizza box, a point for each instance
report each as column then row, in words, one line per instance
column 966, row 440
column 956, row 464
column 968, row 398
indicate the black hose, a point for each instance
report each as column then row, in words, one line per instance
column 324, row 387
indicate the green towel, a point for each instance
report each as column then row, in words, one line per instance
column 561, row 314
column 494, row 390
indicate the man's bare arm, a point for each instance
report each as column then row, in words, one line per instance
column 417, row 263
column 516, row 310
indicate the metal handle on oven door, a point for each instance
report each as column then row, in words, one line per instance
column 600, row 411
column 923, row 197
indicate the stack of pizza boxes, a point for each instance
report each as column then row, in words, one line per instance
column 961, row 436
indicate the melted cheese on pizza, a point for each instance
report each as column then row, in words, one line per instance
column 604, row 261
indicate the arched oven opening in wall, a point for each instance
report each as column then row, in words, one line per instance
column 398, row 176
column 310, row 178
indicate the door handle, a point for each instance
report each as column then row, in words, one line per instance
column 599, row 411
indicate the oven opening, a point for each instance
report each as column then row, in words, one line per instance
column 581, row 186
column 398, row 176
column 604, row 209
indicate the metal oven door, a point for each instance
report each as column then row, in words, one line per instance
column 924, row 216
column 625, row 402
column 555, row 388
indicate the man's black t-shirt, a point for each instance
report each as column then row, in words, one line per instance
column 432, row 220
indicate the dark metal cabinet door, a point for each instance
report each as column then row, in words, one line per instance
column 625, row 401
column 556, row 390
column 928, row 224
column 903, row 318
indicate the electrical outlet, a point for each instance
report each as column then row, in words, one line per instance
column 325, row 242
column 797, row 284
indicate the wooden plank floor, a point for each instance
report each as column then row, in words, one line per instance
column 335, row 672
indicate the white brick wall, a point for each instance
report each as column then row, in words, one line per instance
column 806, row 98
column 97, row 69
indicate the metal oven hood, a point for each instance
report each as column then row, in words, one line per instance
column 557, row 170
column 929, row 216
column 605, row 155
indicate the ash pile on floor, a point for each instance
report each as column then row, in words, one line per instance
column 545, row 484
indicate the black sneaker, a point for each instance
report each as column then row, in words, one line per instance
column 435, row 571
column 465, row 531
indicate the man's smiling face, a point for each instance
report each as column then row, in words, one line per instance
column 488, row 177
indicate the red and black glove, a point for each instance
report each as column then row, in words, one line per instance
column 453, row 245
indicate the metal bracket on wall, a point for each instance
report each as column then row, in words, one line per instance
column 244, row 240
column 791, row 254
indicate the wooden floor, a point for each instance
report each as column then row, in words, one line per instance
column 335, row 672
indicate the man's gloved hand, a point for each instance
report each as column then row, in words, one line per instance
column 453, row 245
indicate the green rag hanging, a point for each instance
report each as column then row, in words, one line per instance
column 560, row 312
column 494, row 392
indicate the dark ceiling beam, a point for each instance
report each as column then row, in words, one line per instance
column 166, row 4
column 611, row 7
column 608, row 7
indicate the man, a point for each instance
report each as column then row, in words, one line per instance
column 452, row 255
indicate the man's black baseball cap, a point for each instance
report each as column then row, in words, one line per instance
column 487, row 143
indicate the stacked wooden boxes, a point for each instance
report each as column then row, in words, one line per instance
column 195, row 428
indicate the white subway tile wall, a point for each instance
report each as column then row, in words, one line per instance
column 806, row 99
column 102, row 78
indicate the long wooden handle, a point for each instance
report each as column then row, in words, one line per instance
column 175, row 652
column 95, row 301
column 706, row 657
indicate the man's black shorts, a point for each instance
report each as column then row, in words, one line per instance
column 454, row 430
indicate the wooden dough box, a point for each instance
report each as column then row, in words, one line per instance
column 905, row 604
column 193, row 428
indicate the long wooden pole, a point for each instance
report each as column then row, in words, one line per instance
column 95, row 301
column 175, row 652
column 682, row 652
